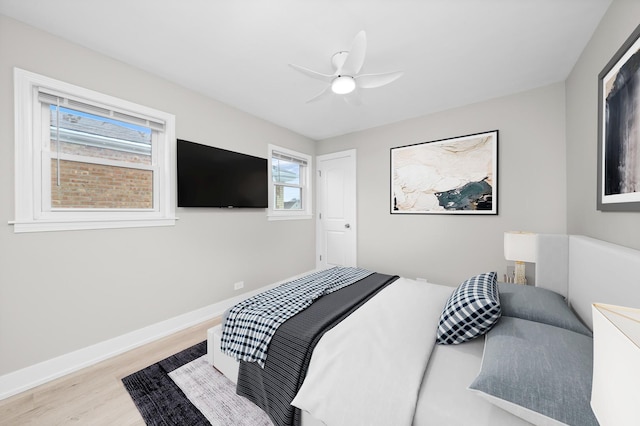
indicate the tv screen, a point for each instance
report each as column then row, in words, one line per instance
column 215, row 177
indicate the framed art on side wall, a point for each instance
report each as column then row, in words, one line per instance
column 449, row 176
column 619, row 129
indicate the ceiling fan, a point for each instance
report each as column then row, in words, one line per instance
column 346, row 78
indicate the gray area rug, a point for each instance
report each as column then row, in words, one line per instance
column 185, row 390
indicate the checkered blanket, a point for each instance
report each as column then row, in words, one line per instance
column 251, row 324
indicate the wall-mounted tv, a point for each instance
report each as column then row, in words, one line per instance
column 215, row 177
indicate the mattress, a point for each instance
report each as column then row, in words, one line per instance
column 443, row 399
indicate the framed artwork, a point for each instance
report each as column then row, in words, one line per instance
column 449, row 176
column 619, row 129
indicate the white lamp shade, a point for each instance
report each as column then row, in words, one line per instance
column 520, row 246
column 615, row 392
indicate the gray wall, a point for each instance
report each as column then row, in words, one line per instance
column 62, row 291
column 448, row 248
column 582, row 132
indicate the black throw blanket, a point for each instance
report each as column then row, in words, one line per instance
column 274, row 387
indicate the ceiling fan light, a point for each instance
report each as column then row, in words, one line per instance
column 343, row 84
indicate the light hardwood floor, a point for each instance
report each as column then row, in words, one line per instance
column 95, row 395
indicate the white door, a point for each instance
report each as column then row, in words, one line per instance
column 336, row 213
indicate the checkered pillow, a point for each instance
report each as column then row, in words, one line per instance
column 471, row 311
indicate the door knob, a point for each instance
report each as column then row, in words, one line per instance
column 346, row 225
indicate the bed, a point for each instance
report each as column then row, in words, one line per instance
column 463, row 384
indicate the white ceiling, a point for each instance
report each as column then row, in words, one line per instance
column 453, row 52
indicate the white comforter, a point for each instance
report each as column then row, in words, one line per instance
column 368, row 369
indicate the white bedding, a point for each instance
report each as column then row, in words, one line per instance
column 392, row 336
column 442, row 395
column 444, row 398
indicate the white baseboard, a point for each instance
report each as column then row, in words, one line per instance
column 43, row 372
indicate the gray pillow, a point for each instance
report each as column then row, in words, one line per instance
column 537, row 371
column 540, row 305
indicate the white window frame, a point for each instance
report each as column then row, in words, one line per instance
column 307, row 188
column 31, row 151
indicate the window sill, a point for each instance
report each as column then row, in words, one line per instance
column 45, row 226
column 289, row 217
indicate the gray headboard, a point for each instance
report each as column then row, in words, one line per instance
column 587, row 270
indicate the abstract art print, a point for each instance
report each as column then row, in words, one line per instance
column 619, row 129
column 449, row 176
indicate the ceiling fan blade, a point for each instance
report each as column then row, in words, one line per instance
column 370, row 81
column 355, row 59
column 321, row 95
column 353, row 98
column 313, row 74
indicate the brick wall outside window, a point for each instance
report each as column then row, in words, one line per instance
column 85, row 185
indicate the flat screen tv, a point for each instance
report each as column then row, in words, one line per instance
column 215, row 177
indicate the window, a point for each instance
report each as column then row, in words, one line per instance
column 289, row 184
column 85, row 160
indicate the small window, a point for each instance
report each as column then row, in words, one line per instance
column 290, row 184
column 85, row 160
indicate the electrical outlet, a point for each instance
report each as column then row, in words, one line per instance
column 238, row 285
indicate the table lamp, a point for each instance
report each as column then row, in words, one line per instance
column 520, row 247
